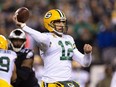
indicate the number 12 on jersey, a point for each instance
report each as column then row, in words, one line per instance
column 66, row 52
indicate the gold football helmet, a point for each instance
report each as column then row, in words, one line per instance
column 3, row 43
column 51, row 16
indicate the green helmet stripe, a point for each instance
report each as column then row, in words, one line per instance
column 61, row 14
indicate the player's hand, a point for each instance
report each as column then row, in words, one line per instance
column 87, row 48
column 16, row 21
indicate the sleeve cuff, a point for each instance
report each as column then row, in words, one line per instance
column 23, row 25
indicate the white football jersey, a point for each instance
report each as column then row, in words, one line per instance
column 7, row 58
column 57, row 53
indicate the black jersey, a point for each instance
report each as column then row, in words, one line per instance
column 23, row 55
column 31, row 80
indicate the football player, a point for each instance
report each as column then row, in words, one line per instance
column 7, row 65
column 57, row 50
column 24, row 61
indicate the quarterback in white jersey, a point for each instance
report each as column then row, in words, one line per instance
column 57, row 50
column 7, row 67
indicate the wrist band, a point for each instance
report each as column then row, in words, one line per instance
column 22, row 25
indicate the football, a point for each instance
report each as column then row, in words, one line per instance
column 22, row 14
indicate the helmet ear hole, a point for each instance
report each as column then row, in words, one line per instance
column 52, row 24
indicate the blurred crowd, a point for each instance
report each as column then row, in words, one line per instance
column 89, row 21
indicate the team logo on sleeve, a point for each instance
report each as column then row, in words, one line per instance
column 70, row 85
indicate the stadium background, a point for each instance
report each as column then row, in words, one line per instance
column 89, row 21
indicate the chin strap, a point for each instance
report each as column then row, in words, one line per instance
column 59, row 33
column 17, row 49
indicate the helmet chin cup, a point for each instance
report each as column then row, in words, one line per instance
column 17, row 49
column 59, row 33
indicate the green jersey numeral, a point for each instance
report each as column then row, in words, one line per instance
column 66, row 56
column 4, row 64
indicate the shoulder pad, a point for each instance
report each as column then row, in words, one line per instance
column 30, row 55
column 28, row 52
column 25, row 50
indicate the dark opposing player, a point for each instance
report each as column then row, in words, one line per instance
column 24, row 61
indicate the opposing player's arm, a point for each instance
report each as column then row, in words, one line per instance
column 27, row 63
column 14, row 75
column 26, row 67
